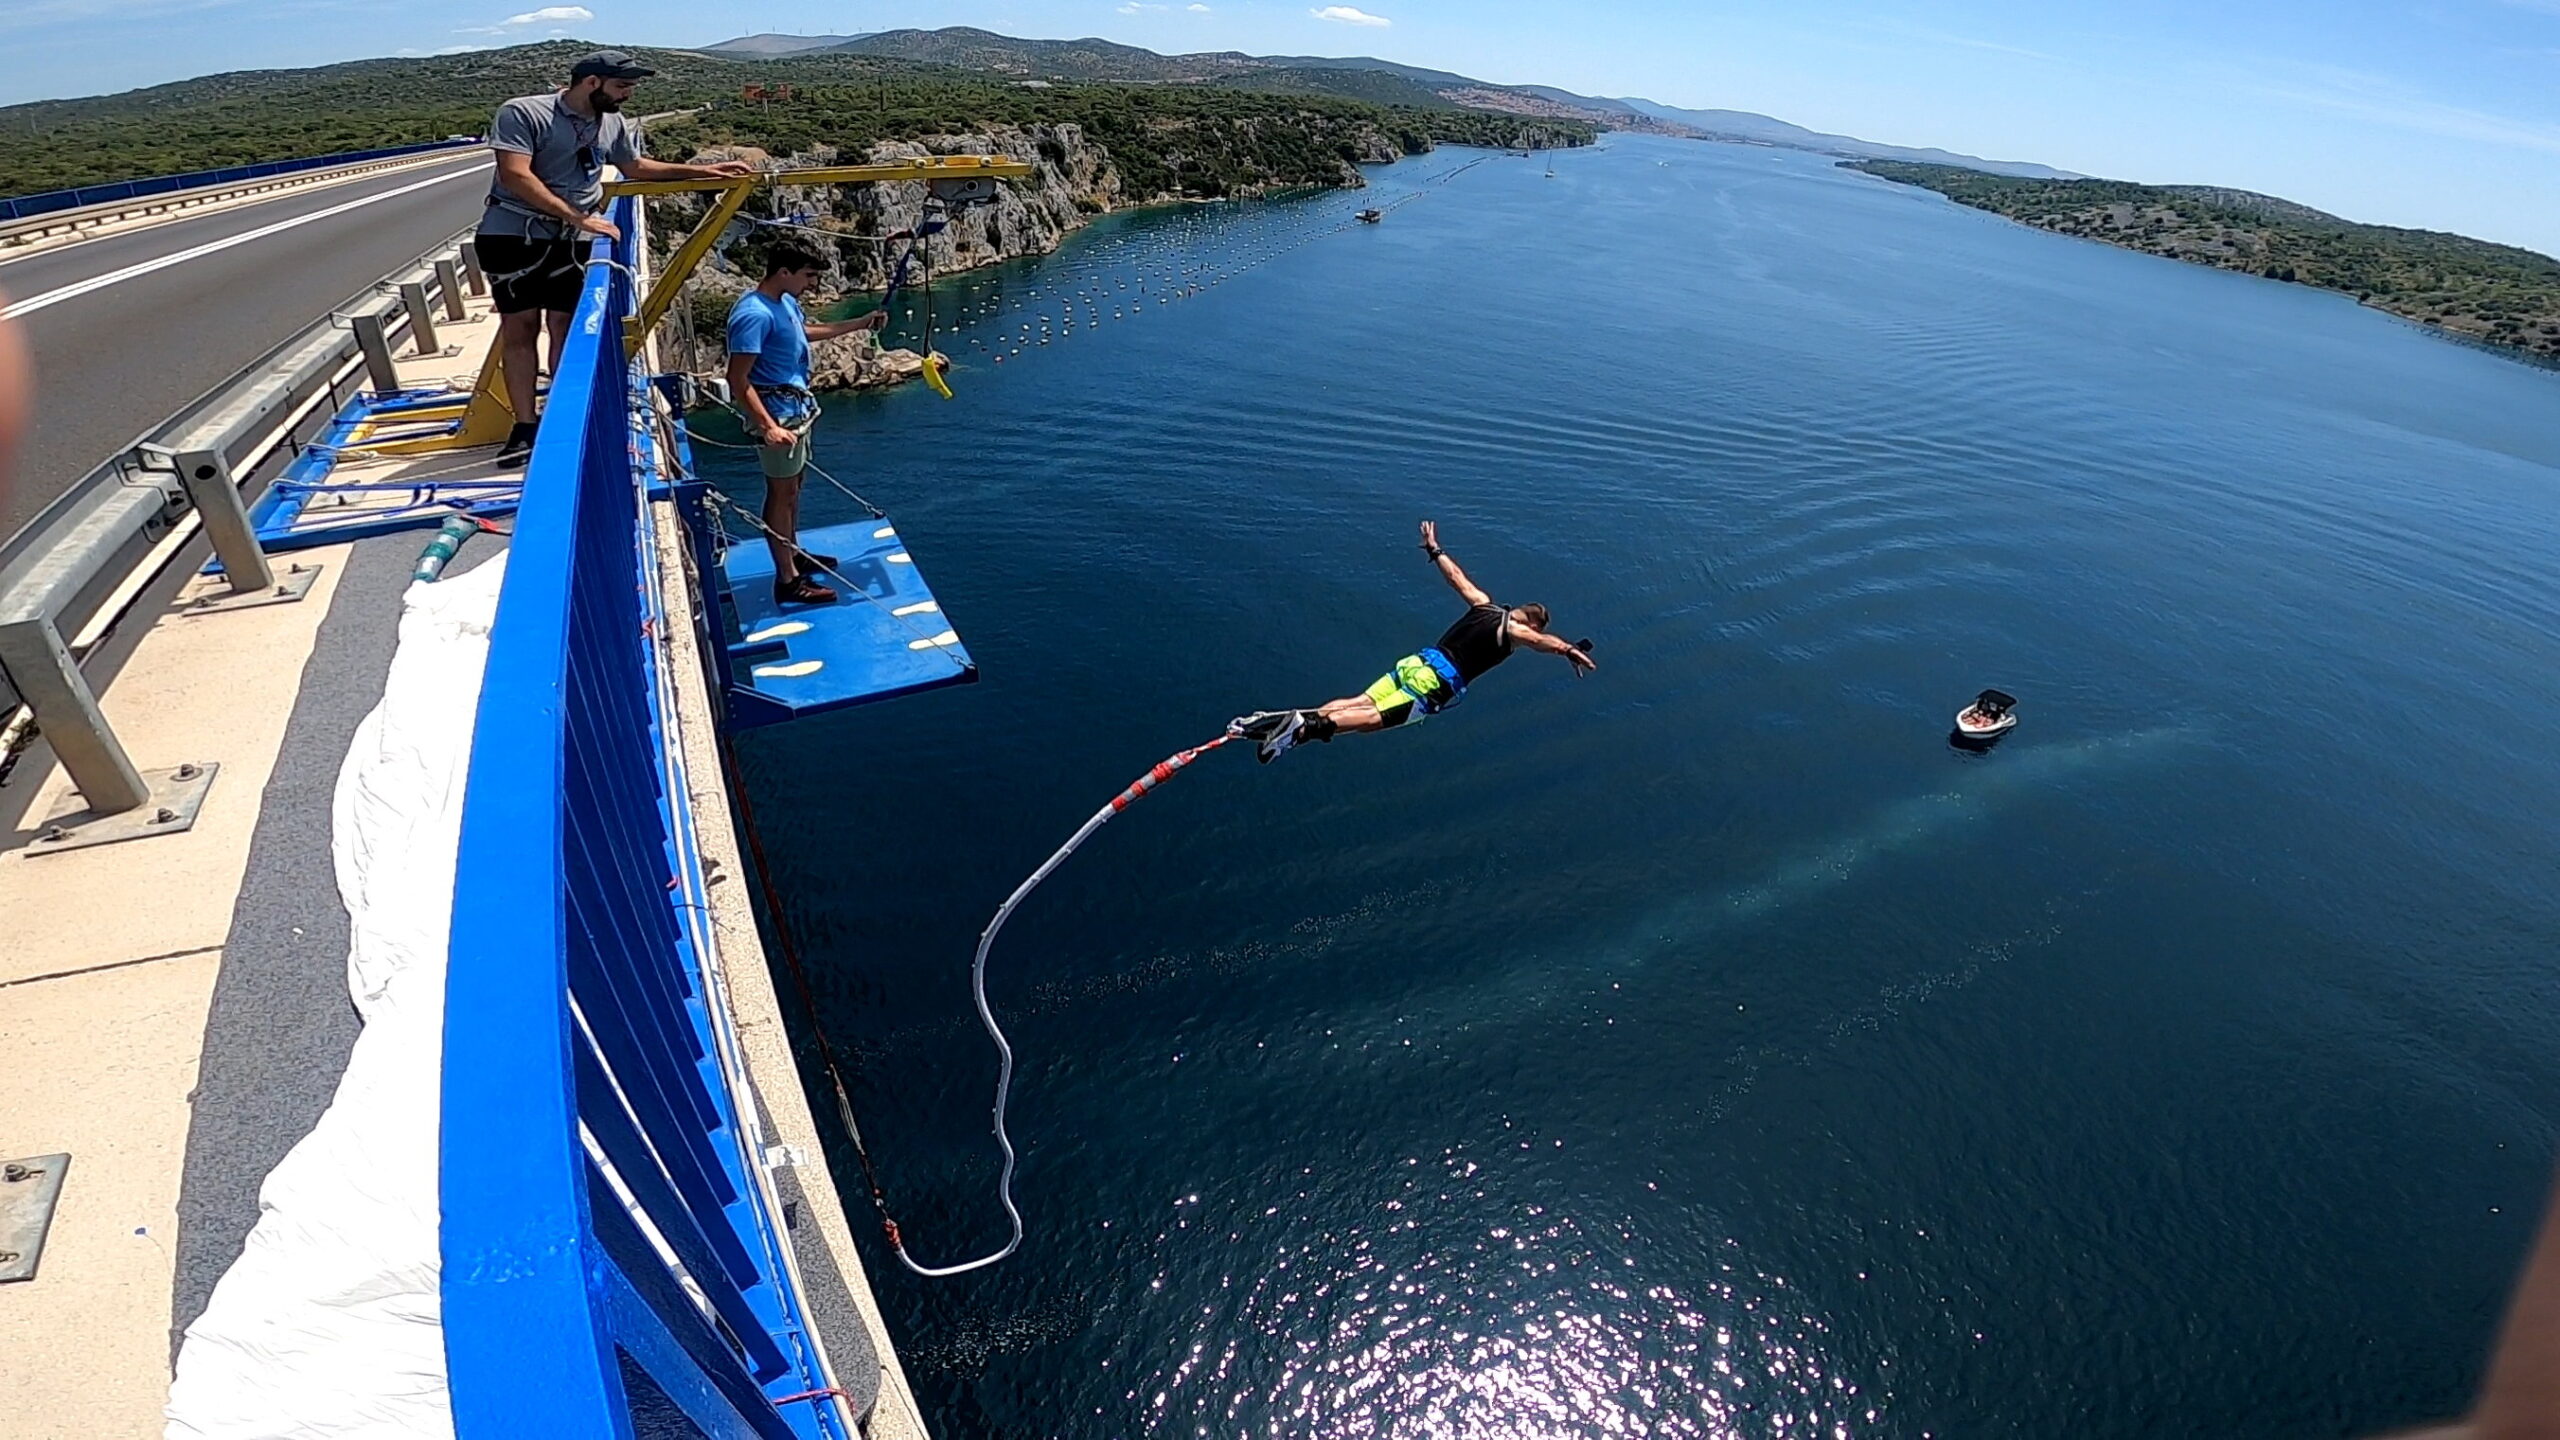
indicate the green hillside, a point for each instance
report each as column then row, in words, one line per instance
column 2498, row 294
column 1225, row 137
column 1087, row 60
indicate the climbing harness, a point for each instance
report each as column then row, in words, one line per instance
column 847, row 491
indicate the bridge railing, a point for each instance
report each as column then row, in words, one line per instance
column 108, row 543
column 610, row 1251
column 46, row 202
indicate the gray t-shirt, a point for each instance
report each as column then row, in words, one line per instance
column 544, row 127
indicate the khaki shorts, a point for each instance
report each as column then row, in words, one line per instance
column 781, row 462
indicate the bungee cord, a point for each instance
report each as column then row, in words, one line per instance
column 1162, row 771
column 1156, row 775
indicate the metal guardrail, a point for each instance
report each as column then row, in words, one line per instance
column 602, row 1218
column 64, row 569
column 22, row 207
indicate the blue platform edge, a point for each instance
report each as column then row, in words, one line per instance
column 885, row 635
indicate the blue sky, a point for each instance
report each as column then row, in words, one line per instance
column 2439, row 113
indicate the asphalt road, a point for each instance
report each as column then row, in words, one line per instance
column 114, row 360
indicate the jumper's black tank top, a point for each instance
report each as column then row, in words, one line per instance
column 1477, row 642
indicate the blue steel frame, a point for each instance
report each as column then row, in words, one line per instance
column 595, row 1179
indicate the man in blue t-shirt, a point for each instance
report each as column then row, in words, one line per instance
column 769, row 378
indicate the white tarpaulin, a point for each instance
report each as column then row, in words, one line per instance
column 328, row 1325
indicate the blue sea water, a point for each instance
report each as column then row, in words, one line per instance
column 1703, row 1048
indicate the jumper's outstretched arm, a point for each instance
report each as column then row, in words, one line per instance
column 1448, row 568
column 1546, row 644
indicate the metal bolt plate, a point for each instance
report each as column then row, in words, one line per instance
column 292, row 583
column 26, row 1211
column 176, row 794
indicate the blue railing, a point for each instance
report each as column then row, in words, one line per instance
column 602, row 1221
column 21, row 207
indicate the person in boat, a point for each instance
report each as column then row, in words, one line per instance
column 1988, row 709
column 1424, row 683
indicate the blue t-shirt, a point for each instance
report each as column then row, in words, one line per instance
column 771, row 331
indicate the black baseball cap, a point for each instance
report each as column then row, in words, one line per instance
column 610, row 64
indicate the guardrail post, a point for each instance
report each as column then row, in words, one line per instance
column 41, row 670
column 422, row 322
column 207, row 476
column 378, row 365
column 471, row 269
column 449, row 280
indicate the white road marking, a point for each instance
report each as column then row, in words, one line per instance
column 884, row 532
column 947, row 637
column 792, row 671
column 776, row 632
column 901, row 558
column 77, row 289
column 921, row 607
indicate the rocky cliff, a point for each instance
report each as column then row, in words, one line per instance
column 1073, row 180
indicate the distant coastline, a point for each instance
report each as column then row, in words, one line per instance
column 2498, row 296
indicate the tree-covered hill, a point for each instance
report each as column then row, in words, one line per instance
column 1218, row 138
column 2498, row 294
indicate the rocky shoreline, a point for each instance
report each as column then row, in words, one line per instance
column 1073, row 181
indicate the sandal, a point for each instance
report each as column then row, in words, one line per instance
column 802, row 591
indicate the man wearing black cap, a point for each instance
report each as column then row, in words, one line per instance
column 544, row 211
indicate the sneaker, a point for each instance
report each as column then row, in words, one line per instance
column 1261, row 724
column 1272, row 731
column 827, row 562
column 802, row 591
column 517, row 450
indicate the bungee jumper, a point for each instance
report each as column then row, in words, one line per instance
column 1421, row 684
column 1426, row 682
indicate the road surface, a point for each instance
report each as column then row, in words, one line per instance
column 120, row 345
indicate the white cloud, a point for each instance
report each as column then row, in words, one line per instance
column 1135, row 8
column 1348, row 15
column 547, row 15
column 1198, row 9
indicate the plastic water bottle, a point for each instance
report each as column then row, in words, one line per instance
column 449, row 538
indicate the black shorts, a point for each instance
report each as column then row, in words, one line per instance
column 533, row 274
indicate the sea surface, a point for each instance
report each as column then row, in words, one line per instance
column 1706, row 1047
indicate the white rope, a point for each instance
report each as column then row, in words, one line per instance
column 1162, row 772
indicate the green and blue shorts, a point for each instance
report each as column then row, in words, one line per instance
column 1422, row 685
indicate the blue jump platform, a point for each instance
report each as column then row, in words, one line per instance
column 885, row 636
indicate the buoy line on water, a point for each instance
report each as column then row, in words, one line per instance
column 1122, row 276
